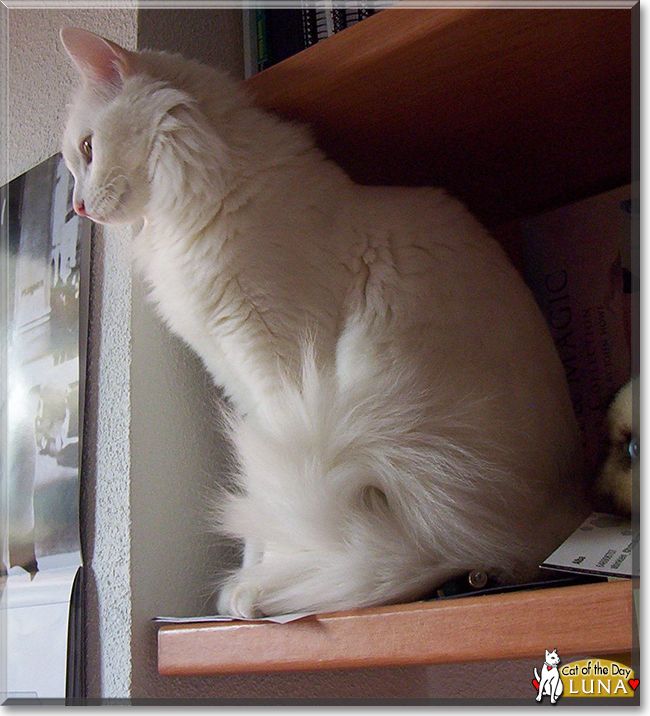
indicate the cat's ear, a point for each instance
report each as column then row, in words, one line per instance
column 98, row 60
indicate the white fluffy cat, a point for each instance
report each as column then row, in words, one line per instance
column 401, row 414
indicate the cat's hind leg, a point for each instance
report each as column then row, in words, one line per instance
column 336, row 575
column 236, row 597
column 253, row 552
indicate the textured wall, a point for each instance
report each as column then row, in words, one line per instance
column 39, row 76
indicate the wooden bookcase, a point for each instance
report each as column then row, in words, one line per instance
column 515, row 111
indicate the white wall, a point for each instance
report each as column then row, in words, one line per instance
column 39, row 77
column 152, row 449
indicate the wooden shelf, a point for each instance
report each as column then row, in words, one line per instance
column 513, row 110
column 589, row 619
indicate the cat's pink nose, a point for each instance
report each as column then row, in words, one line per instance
column 80, row 208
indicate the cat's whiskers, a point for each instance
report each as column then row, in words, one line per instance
column 107, row 197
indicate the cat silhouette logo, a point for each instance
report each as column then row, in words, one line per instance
column 550, row 682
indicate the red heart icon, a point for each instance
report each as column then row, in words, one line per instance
column 633, row 683
column 536, row 684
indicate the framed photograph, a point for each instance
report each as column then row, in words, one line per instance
column 44, row 245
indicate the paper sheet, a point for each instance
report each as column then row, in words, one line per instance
column 603, row 544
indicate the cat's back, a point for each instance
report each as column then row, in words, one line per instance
column 432, row 257
column 450, row 287
column 454, row 307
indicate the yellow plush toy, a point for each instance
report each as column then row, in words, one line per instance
column 615, row 480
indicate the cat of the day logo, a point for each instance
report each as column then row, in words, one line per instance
column 588, row 677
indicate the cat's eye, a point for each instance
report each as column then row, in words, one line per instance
column 86, row 148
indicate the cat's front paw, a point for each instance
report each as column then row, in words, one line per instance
column 239, row 599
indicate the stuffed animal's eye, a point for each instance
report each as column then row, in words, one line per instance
column 633, row 448
column 86, row 148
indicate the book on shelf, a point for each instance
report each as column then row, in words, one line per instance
column 578, row 264
column 273, row 35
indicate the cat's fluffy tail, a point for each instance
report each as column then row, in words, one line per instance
column 356, row 495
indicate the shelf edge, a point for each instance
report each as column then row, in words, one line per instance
column 587, row 619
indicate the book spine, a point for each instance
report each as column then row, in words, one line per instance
column 339, row 19
column 365, row 10
column 250, row 43
column 309, row 25
column 280, row 33
column 324, row 25
column 260, row 37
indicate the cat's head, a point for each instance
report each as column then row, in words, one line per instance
column 552, row 657
column 101, row 145
column 116, row 126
